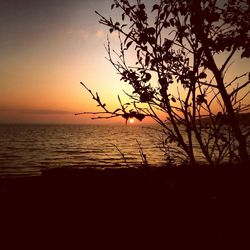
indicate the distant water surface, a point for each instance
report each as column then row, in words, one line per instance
column 28, row 149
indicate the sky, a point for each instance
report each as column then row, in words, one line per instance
column 47, row 47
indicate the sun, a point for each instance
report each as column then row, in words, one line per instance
column 131, row 120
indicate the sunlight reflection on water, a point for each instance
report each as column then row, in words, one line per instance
column 27, row 149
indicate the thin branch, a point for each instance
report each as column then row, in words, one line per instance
column 239, row 88
column 228, row 59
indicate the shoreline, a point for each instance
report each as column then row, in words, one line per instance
column 176, row 176
column 205, row 206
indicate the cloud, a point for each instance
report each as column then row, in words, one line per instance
column 84, row 34
column 69, row 31
column 37, row 111
column 99, row 33
column 48, row 112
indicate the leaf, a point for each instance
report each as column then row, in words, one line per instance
column 141, row 15
column 167, row 44
column 127, row 11
column 123, row 16
column 132, row 113
column 125, row 116
column 202, row 75
column 201, row 99
column 112, row 6
column 173, row 99
column 166, row 24
column 246, row 53
column 147, row 77
column 140, row 117
column 183, row 11
column 141, row 6
column 150, row 31
column 171, row 21
column 162, row 15
column 163, row 81
column 129, row 44
column 138, row 54
column 155, row 7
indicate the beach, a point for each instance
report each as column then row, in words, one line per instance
column 201, row 205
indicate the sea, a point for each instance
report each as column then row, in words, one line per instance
column 28, row 150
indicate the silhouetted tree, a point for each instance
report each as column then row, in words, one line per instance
column 177, row 47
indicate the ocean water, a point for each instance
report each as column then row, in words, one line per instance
column 28, row 149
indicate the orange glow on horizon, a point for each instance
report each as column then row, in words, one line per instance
column 41, row 71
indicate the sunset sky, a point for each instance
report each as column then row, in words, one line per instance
column 47, row 47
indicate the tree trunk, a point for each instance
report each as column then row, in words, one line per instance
column 202, row 37
column 233, row 121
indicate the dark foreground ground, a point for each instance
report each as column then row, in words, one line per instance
column 154, row 208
